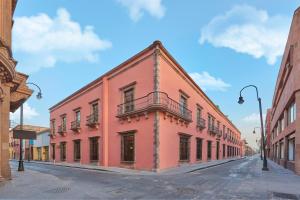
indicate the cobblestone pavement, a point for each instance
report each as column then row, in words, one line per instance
column 241, row 179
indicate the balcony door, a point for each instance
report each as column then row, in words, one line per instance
column 128, row 100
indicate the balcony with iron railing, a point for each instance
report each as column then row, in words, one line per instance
column 62, row 130
column 213, row 129
column 201, row 123
column 75, row 126
column 152, row 102
column 92, row 120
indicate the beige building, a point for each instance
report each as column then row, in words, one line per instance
column 13, row 89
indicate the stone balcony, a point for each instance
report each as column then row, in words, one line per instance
column 152, row 102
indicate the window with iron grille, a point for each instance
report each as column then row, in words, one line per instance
column 127, row 147
column 184, row 148
column 199, row 148
column 94, row 149
column 77, row 155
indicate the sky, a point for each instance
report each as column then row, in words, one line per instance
column 223, row 45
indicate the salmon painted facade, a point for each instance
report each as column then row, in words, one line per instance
column 146, row 114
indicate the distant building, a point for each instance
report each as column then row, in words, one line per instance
column 285, row 117
column 268, row 132
column 147, row 113
column 246, row 149
column 32, row 149
column 41, row 145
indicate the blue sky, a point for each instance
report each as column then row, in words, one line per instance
column 224, row 45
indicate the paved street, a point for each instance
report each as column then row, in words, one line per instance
column 241, row 179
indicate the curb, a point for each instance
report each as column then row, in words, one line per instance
column 215, row 165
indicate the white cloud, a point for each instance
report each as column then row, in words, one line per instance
column 254, row 117
column 28, row 114
column 138, row 7
column 208, row 82
column 246, row 29
column 42, row 41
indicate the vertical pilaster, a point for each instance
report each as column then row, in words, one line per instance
column 156, row 114
column 4, row 132
column 6, row 21
column 105, row 110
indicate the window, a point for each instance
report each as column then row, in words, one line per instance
column 77, row 116
column 224, row 129
column 208, row 150
column 53, row 151
column 95, row 111
column 127, row 147
column 129, row 100
column 64, row 122
column 291, row 149
column 184, row 150
column 63, row 151
column 94, row 147
column 77, row 155
column 53, row 127
column 183, row 104
column 199, row 114
column 209, row 121
column 281, row 149
column 199, row 149
column 292, row 113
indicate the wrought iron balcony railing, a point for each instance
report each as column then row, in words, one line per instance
column 61, row 129
column 154, row 101
column 213, row 129
column 92, row 120
column 201, row 123
column 75, row 125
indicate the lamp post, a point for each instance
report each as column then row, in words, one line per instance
column 261, row 157
column 241, row 101
column 21, row 162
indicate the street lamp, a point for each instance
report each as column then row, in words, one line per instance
column 38, row 96
column 241, row 101
column 261, row 157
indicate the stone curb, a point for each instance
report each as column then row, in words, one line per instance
column 167, row 172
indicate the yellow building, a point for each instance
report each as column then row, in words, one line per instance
column 40, row 147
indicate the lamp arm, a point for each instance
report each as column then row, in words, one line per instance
column 250, row 86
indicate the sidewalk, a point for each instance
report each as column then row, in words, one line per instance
column 185, row 168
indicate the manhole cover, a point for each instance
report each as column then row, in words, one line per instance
column 285, row 195
column 59, row 190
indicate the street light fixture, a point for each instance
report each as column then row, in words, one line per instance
column 241, row 101
column 21, row 162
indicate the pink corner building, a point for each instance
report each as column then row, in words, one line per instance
column 146, row 114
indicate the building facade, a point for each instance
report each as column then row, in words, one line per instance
column 285, row 119
column 13, row 89
column 40, row 146
column 147, row 114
